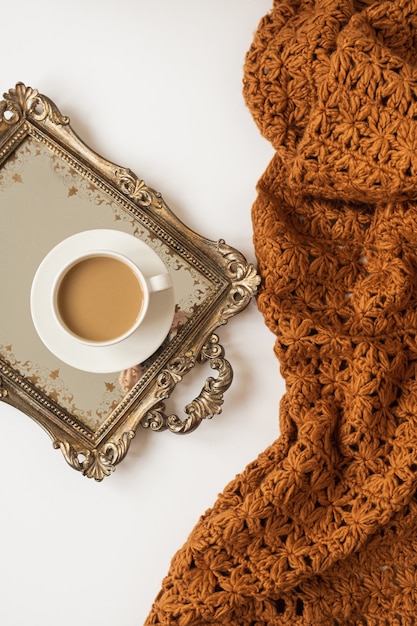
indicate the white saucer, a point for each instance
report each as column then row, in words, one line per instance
column 101, row 359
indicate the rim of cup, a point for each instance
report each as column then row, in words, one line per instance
column 91, row 254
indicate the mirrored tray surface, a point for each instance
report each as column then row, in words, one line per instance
column 52, row 186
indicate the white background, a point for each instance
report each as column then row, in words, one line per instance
column 154, row 86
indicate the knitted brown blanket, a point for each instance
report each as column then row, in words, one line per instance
column 322, row 528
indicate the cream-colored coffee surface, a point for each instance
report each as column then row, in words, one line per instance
column 99, row 298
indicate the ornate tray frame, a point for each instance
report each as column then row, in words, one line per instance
column 25, row 114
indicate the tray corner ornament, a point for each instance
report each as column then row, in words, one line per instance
column 52, row 186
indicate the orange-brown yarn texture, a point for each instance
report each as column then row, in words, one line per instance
column 321, row 529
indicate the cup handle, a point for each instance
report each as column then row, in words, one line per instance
column 160, row 282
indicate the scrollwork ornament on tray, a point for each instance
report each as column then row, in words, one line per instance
column 155, row 419
column 207, row 404
column 173, row 374
column 133, row 187
column 22, row 101
column 244, row 277
column 97, row 463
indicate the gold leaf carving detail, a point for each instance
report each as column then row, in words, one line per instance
column 97, row 463
column 244, row 277
column 22, row 101
column 133, row 187
column 208, row 403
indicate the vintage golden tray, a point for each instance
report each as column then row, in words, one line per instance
column 52, row 186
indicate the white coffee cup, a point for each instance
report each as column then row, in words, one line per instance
column 101, row 297
column 139, row 335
